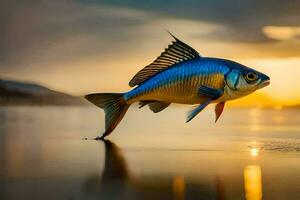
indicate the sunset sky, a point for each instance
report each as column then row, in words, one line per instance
column 82, row 47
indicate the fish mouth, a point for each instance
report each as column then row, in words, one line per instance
column 265, row 83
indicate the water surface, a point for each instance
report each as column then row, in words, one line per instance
column 249, row 154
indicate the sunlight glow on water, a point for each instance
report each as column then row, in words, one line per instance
column 254, row 152
column 253, row 182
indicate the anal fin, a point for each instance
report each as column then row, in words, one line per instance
column 158, row 106
column 145, row 102
column 155, row 106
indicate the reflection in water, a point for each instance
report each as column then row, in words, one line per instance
column 253, row 182
column 255, row 123
column 117, row 182
column 178, row 187
column 112, row 183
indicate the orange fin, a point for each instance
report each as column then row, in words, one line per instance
column 219, row 109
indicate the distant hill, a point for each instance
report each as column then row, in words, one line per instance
column 22, row 93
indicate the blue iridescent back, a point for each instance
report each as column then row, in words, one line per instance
column 180, row 83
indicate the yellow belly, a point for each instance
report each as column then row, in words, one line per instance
column 183, row 92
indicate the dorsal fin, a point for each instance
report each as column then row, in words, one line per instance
column 176, row 52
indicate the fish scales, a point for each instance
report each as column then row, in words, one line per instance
column 180, row 83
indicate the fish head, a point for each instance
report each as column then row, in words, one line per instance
column 242, row 80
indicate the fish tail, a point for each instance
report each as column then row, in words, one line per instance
column 114, row 106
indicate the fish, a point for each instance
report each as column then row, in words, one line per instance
column 181, row 75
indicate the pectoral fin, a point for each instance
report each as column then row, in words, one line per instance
column 219, row 109
column 195, row 111
column 210, row 94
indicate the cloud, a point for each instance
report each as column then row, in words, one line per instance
column 281, row 32
column 243, row 19
column 37, row 32
column 33, row 28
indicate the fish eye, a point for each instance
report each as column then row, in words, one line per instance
column 251, row 76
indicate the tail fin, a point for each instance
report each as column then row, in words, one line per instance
column 114, row 107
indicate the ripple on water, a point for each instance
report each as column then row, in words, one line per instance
column 277, row 146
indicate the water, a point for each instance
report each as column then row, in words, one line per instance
column 249, row 154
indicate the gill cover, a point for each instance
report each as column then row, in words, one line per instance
column 232, row 79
